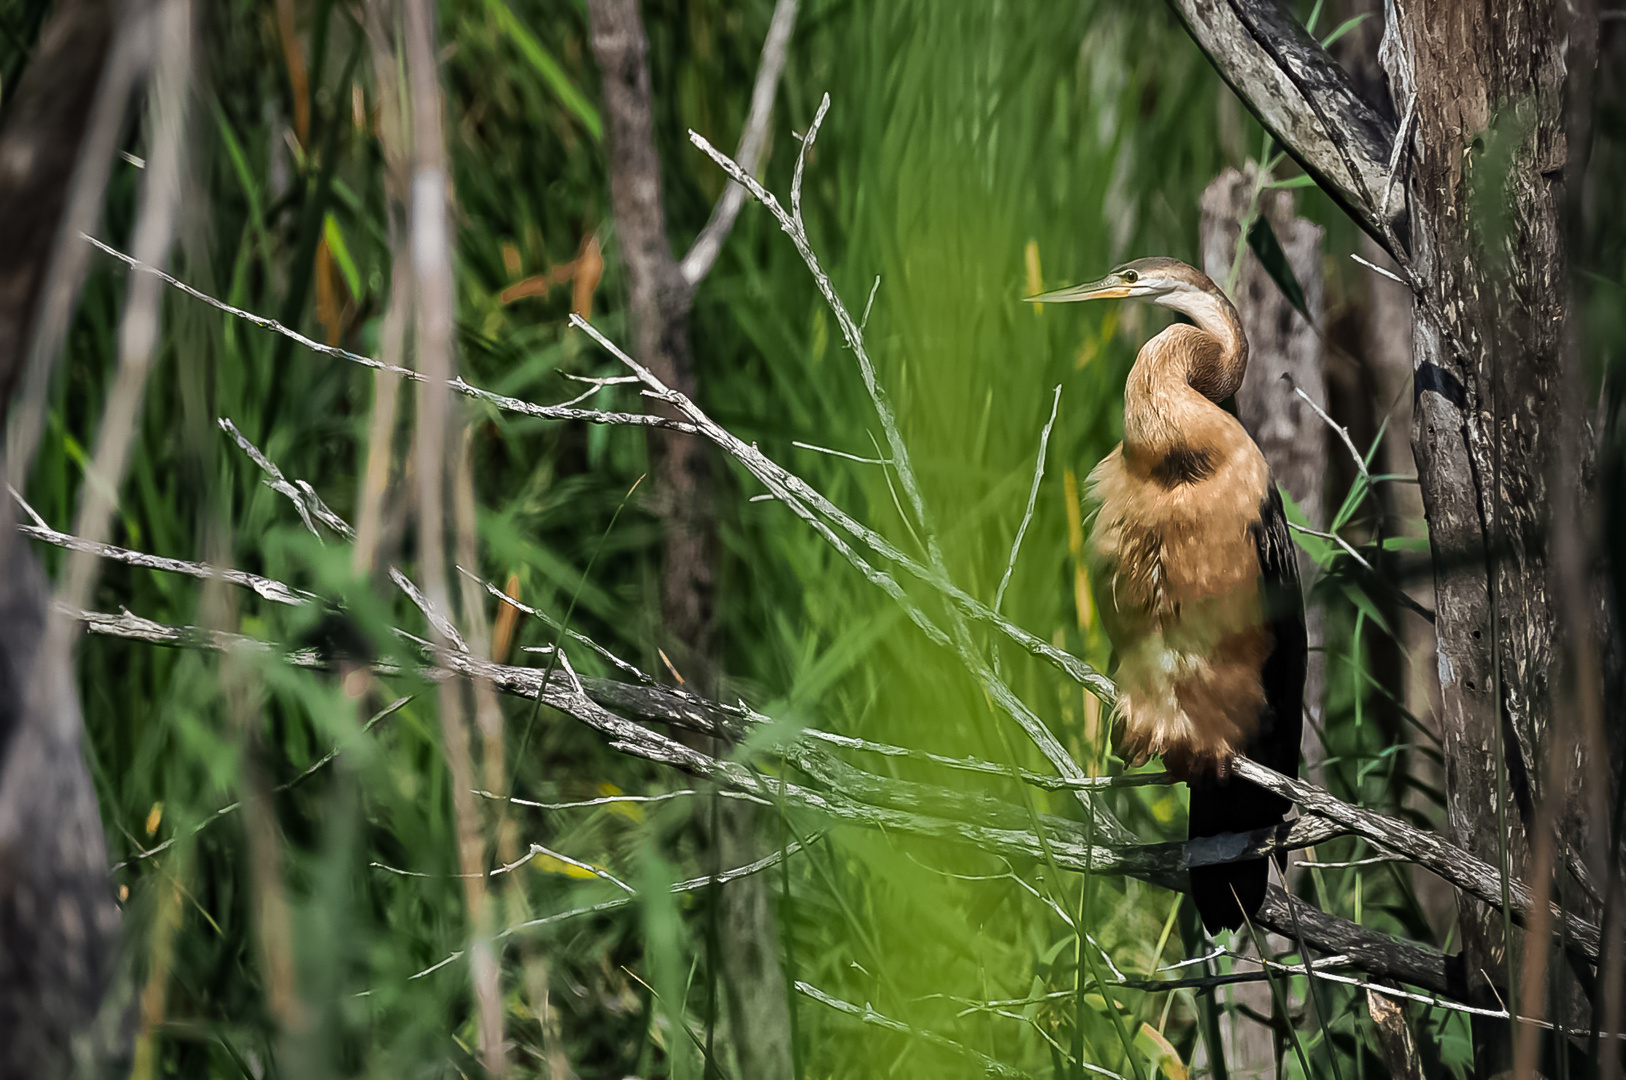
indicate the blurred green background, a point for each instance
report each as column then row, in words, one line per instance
column 973, row 152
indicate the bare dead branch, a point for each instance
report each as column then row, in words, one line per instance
column 789, row 489
column 1066, row 841
column 934, row 575
column 555, row 624
column 437, row 619
column 274, row 478
column 1304, row 99
column 703, row 253
column 758, row 464
column 266, row 588
column 455, row 382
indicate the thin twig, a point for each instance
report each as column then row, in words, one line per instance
column 442, row 625
column 549, row 620
column 691, row 885
column 274, row 478
column 702, row 254
column 1332, row 536
column 266, row 588
column 840, row 454
column 594, row 385
column 867, row 1014
column 863, row 323
column 1340, row 430
column 616, row 800
column 455, row 382
column 508, row 868
column 991, row 768
column 1033, row 500
column 1375, row 268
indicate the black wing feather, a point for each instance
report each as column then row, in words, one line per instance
column 1225, row 893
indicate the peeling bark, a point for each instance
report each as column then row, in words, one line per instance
column 1487, row 247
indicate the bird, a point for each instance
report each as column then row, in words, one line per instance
column 1195, row 577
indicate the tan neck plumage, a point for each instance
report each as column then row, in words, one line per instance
column 1171, row 398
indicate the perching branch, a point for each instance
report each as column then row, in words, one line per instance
column 1465, row 871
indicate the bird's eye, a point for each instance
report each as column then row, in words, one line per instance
column 1130, row 276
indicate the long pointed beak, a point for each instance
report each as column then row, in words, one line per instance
column 1105, row 289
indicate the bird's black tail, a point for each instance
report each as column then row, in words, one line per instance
column 1229, row 891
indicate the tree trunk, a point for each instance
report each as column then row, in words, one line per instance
column 1386, row 349
column 1484, row 85
column 659, row 300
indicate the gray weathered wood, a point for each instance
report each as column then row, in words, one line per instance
column 1301, row 95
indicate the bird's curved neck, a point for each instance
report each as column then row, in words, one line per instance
column 1215, row 376
column 1171, row 398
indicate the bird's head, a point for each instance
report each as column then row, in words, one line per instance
column 1168, row 282
column 1172, row 284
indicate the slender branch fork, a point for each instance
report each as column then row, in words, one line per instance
column 839, row 790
